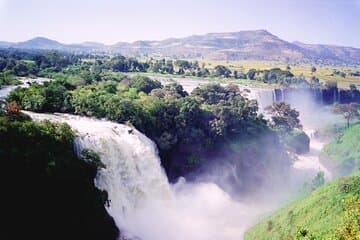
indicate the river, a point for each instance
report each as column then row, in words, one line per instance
column 24, row 82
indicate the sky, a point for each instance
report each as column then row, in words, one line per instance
column 110, row 21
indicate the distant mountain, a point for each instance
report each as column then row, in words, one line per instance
column 5, row 44
column 256, row 45
column 342, row 54
column 39, row 43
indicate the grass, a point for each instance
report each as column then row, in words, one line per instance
column 320, row 215
column 342, row 155
column 330, row 132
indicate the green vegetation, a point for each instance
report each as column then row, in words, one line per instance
column 32, row 63
column 342, row 155
column 45, row 186
column 297, row 140
column 286, row 122
column 212, row 119
column 330, row 212
column 330, row 132
column 6, row 78
column 348, row 111
column 324, row 72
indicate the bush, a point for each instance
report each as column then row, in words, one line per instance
column 144, row 84
column 297, row 141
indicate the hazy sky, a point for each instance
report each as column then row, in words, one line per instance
column 110, row 21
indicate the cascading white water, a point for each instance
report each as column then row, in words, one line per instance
column 307, row 165
column 309, row 162
column 133, row 175
column 142, row 202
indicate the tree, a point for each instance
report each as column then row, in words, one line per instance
column 235, row 74
column 21, row 69
column 348, row 111
column 222, row 71
column 144, row 84
column 313, row 69
column 315, row 82
column 251, row 74
column 174, row 89
column 283, row 116
column 352, row 87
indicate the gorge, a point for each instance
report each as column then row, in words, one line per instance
column 142, row 201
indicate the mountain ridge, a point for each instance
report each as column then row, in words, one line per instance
column 248, row 45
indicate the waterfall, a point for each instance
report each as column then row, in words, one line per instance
column 264, row 97
column 142, row 202
column 282, row 95
column 273, row 96
column 132, row 175
column 307, row 165
column 309, row 162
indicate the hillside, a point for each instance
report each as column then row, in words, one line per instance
column 342, row 155
column 330, row 212
column 248, row 45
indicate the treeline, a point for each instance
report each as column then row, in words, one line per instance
column 193, row 68
column 190, row 130
column 15, row 63
column 355, row 74
column 94, row 68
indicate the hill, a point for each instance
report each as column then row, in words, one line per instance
column 330, row 212
column 248, row 45
column 39, row 43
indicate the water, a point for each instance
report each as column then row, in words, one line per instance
column 25, row 82
column 133, row 174
column 144, row 204
column 309, row 162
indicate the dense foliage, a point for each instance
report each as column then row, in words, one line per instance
column 90, row 68
column 47, row 192
column 286, row 122
column 186, row 128
column 31, row 63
